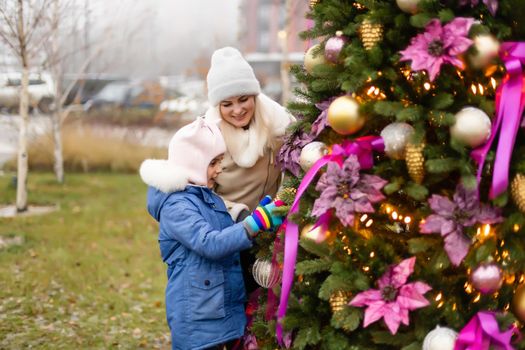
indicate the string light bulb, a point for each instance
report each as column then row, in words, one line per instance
column 477, row 298
column 493, row 83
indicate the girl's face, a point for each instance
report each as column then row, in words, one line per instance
column 214, row 169
column 238, row 110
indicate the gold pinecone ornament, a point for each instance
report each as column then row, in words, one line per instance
column 339, row 300
column 287, row 195
column 313, row 3
column 371, row 33
column 415, row 161
column 517, row 190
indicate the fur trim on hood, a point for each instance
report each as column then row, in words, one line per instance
column 163, row 175
column 247, row 146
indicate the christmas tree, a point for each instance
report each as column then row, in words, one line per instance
column 406, row 182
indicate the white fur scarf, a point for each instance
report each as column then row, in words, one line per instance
column 247, row 146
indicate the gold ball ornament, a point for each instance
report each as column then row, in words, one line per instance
column 343, row 116
column 408, row 6
column 311, row 61
column 370, row 33
column 415, row 161
column 339, row 300
column 518, row 303
column 517, row 190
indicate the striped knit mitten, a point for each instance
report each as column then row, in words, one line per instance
column 262, row 218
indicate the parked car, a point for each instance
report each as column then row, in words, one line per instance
column 41, row 91
column 184, row 104
column 85, row 87
column 127, row 94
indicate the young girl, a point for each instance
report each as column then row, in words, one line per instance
column 198, row 239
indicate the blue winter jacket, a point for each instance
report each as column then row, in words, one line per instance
column 200, row 244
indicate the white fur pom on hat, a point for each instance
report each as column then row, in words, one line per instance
column 230, row 75
column 190, row 151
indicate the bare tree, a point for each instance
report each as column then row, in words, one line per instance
column 20, row 30
column 58, row 54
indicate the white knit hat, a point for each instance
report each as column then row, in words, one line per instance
column 190, row 151
column 230, row 75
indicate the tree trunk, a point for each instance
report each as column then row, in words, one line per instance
column 57, row 140
column 21, row 185
column 56, row 118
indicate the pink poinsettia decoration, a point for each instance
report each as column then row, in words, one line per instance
column 492, row 5
column 394, row 298
column 347, row 191
column 439, row 45
column 451, row 217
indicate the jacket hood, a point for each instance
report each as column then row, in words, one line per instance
column 155, row 201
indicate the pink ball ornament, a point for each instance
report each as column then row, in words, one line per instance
column 487, row 278
column 333, row 47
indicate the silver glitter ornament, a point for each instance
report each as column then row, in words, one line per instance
column 311, row 153
column 441, row 338
column 396, row 137
column 265, row 273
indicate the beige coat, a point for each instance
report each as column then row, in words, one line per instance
column 249, row 169
column 248, row 185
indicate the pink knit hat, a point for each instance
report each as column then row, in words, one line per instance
column 190, row 151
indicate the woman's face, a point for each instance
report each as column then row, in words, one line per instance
column 238, row 110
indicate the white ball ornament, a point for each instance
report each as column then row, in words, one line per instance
column 396, row 137
column 311, row 61
column 408, row 6
column 472, row 127
column 441, row 338
column 487, row 48
column 265, row 273
column 311, row 153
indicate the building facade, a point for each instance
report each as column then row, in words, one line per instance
column 269, row 39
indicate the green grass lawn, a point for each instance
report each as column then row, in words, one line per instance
column 88, row 276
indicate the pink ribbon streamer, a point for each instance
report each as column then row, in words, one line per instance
column 271, row 301
column 482, row 333
column 362, row 148
column 510, row 103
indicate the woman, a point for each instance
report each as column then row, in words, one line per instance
column 252, row 125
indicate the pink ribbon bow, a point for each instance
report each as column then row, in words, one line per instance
column 362, row 148
column 510, row 103
column 482, row 333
